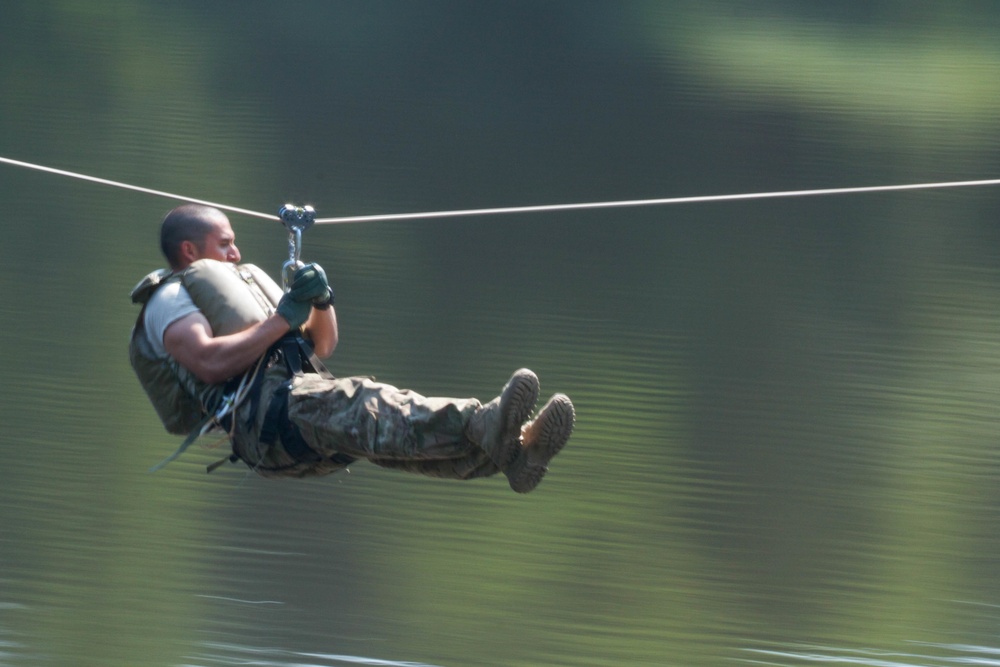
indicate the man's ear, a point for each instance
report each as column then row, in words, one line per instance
column 190, row 251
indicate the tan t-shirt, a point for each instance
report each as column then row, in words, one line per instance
column 167, row 305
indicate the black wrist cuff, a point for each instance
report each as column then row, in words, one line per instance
column 325, row 305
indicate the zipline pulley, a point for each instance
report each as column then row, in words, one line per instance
column 296, row 219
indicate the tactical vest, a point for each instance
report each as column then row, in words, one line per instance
column 231, row 298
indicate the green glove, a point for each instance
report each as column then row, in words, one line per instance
column 309, row 284
column 296, row 312
column 325, row 299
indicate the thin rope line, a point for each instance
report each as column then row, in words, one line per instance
column 126, row 186
column 524, row 209
column 653, row 202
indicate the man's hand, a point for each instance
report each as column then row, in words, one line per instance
column 325, row 300
column 309, row 287
column 296, row 312
column 310, row 284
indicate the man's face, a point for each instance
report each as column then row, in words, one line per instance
column 220, row 243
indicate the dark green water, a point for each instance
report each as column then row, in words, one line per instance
column 787, row 441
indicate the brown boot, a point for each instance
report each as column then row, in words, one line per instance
column 542, row 439
column 496, row 426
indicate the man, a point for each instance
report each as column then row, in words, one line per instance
column 295, row 421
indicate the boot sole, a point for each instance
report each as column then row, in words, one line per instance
column 557, row 419
column 517, row 401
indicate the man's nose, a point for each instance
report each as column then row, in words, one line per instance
column 234, row 254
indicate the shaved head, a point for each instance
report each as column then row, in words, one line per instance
column 190, row 222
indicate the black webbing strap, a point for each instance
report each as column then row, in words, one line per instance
column 311, row 359
column 200, row 429
column 277, row 426
column 297, row 355
column 290, row 353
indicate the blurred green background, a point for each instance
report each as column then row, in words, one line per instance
column 786, row 446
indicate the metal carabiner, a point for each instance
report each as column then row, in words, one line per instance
column 296, row 219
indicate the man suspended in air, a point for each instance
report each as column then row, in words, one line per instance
column 218, row 345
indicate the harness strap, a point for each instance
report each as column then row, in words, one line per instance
column 297, row 355
column 278, row 427
column 203, row 425
column 198, row 431
column 252, row 400
column 290, row 352
column 309, row 356
column 232, row 458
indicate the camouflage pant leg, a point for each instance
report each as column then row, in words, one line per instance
column 470, row 467
column 390, row 427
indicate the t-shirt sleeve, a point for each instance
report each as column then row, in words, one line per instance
column 169, row 304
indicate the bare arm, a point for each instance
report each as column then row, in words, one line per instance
column 215, row 359
column 321, row 330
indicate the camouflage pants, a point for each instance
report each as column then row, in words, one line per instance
column 362, row 419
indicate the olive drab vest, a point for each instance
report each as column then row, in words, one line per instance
column 231, row 298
